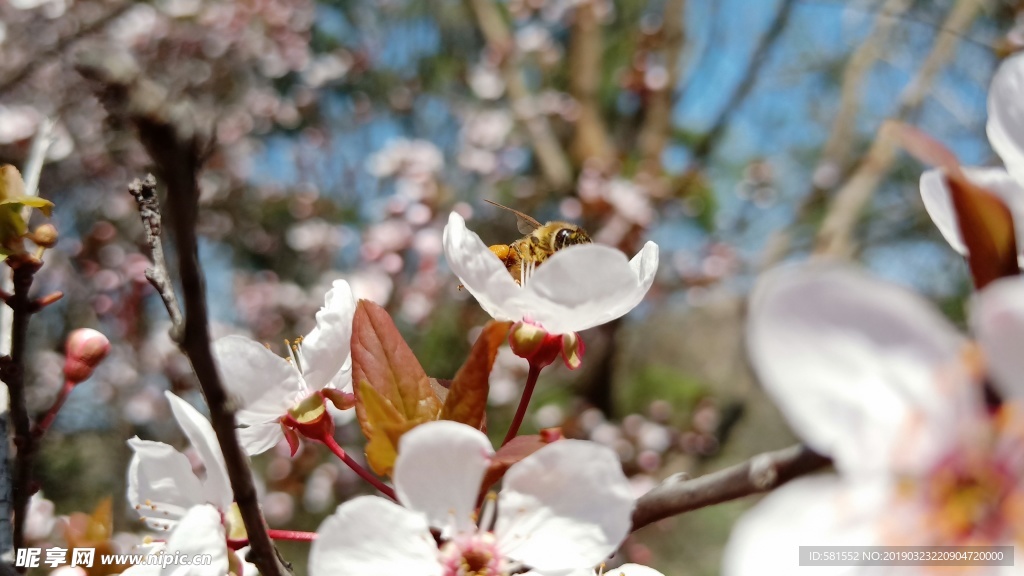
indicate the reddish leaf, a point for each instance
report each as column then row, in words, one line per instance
column 922, row 146
column 518, row 448
column 986, row 226
column 467, row 398
column 382, row 359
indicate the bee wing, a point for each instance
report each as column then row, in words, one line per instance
column 526, row 223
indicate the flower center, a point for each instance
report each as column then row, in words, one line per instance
column 966, row 498
column 473, row 555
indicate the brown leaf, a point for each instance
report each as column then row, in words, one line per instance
column 382, row 359
column 467, row 398
column 518, row 448
column 986, row 226
column 922, row 146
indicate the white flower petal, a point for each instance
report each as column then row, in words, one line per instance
column 326, row 349
column 161, row 485
column 583, row 286
column 264, row 384
column 645, row 266
column 854, row 362
column 216, row 487
column 577, row 288
column 199, row 532
column 998, row 319
column 373, row 536
column 343, row 378
column 438, row 472
column 481, row 273
column 1006, row 114
column 565, row 506
column 811, row 511
column 939, row 204
column 248, row 568
column 259, row 438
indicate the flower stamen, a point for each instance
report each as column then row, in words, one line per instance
column 293, row 353
column 487, row 512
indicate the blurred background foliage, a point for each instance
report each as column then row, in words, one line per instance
column 347, row 130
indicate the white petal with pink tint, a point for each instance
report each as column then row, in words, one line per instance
column 854, row 362
column 259, row 438
column 216, row 486
column 811, row 511
column 325, row 350
column 199, row 532
column 997, row 315
column 264, row 383
column 565, row 506
column 1006, row 114
column 438, row 472
column 161, row 485
column 939, row 204
column 372, row 536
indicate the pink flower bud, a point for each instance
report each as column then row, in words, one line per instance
column 541, row 348
column 86, row 348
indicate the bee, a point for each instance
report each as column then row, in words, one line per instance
column 539, row 243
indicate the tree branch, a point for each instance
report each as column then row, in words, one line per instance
column 836, row 154
column 761, row 473
column 12, row 80
column 657, row 123
column 15, row 480
column 547, row 150
column 175, row 144
column 591, row 139
column 705, row 145
column 14, row 375
column 144, row 192
column 835, row 237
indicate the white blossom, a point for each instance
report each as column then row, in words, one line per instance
column 876, row 378
column 564, row 508
column 578, row 287
column 267, row 386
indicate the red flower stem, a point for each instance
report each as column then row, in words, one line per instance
column 294, row 535
column 44, row 424
column 524, row 401
column 338, row 451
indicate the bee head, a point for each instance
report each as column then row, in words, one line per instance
column 569, row 235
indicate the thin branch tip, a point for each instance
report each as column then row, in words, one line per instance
column 761, row 473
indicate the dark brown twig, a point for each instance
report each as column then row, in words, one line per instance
column 144, row 192
column 759, row 474
column 13, row 370
column 176, row 145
